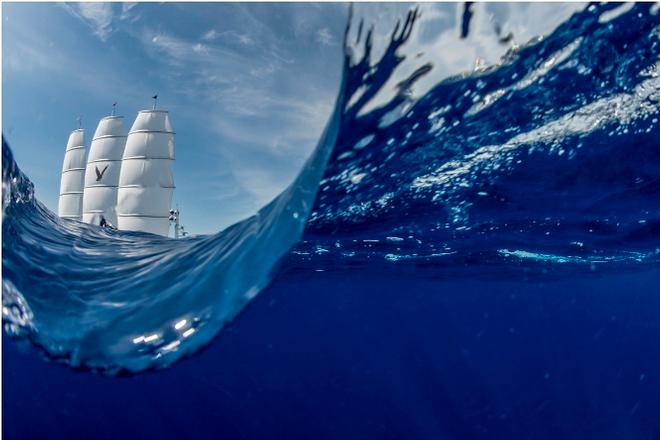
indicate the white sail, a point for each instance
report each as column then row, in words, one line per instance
column 102, row 173
column 73, row 175
column 145, row 181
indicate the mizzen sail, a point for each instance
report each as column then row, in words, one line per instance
column 73, row 177
column 102, row 173
column 145, row 181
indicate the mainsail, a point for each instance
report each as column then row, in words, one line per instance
column 145, row 181
column 73, row 176
column 102, row 174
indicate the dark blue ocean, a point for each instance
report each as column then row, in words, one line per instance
column 478, row 262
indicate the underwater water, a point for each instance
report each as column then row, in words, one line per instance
column 477, row 260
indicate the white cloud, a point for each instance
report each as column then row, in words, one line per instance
column 245, row 40
column 324, row 37
column 213, row 35
column 200, row 48
column 126, row 12
column 261, row 72
column 174, row 50
column 210, row 35
column 98, row 16
column 30, row 57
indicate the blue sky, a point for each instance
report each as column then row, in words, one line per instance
column 249, row 88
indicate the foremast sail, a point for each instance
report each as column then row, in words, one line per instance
column 145, row 181
column 103, row 168
column 73, row 177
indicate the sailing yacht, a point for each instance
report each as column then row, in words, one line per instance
column 126, row 181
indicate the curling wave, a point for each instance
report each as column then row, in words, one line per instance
column 544, row 162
